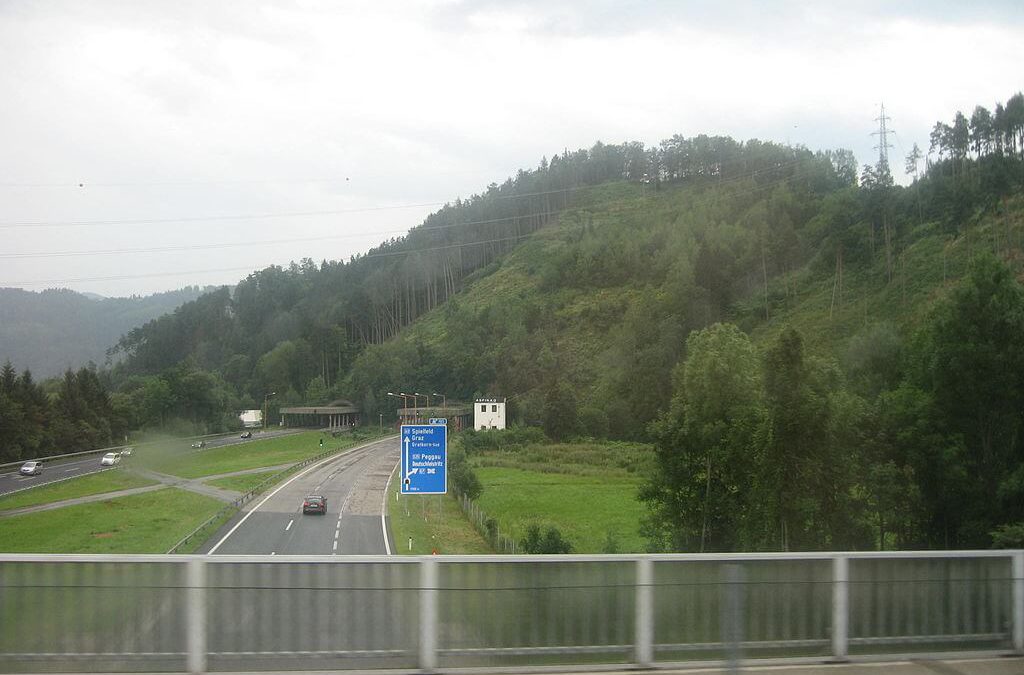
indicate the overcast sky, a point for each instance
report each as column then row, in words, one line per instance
column 130, row 125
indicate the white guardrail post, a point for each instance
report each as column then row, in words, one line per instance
column 644, row 612
column 840, row 607
column 1018, row 602
column 428, row 614
column 195, row 608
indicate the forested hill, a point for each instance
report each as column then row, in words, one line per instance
column 591, row 270
column 53, row 330
column 823, row 360
column 290, row 329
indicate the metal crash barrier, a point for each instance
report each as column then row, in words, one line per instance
column 112, row 613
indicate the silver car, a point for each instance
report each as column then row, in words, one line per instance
column 110, row 459
column 31, row 469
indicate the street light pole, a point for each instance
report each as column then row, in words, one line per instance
column 265, row 409
column 444, row 402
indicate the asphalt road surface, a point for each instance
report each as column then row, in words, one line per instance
column 58, row 470
column 11, row 481
column 353, row 483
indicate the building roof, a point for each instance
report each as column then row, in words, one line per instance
column 320, row 410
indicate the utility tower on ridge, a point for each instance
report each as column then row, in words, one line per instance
column 883, row 139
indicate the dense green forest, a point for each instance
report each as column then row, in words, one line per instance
column 68, row 414
column 56, row 329
column 823, row 358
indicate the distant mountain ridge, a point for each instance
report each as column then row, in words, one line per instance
column 52, row 330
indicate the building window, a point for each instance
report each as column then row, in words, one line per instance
column 483, row 408
column 494, row 408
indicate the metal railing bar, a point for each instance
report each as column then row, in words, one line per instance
column 533, row 559
column 746, row 644
column 971, row 637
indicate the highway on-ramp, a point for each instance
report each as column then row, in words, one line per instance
column 353, row 483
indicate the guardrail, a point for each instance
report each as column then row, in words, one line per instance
column 243, row 613
column 112, row 448
column 227, row 511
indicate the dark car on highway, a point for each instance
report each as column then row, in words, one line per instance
column 315, row 504
column 247, row 434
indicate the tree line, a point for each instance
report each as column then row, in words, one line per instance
column 915, row 443
column 76, row 414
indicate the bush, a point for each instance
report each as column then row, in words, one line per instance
column 550, row 542
column 462, row 476
column 500, row 439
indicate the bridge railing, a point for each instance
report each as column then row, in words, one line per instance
column 70, row 613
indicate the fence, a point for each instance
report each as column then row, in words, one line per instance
column 487, row 527
column 239, row 613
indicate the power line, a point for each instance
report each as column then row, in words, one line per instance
column 336, row 237
column 333, row 212
column 728, row 181
column 264, row 216
column 238, row 269
column 270, row 242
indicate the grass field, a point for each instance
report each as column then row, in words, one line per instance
column 434, row 522
column 146, row 523
column 251, row 455
column 94, row 484
column 242, row 483
column 587, row 490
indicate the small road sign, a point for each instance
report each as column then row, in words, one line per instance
column 438, row 420
column 424, row 459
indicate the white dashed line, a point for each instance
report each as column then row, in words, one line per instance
column 335, row 545
column 336, row 533
column 289, row 525
column 273, row 553
column 66, row 470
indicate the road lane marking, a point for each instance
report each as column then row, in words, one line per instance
column 335, row 545
column 336, row 533
column 51, row 482
column 384, row 509
column 273, row 553
column 332, row 458
column 66, row 470
column 289, row 525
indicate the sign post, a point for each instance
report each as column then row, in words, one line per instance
column 424, row 459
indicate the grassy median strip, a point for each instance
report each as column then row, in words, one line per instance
column 433, row 522
column 145, row 523
column 251, row 455
column 94, row 484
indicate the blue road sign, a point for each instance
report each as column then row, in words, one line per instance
column 424, row 459
column 437, row 420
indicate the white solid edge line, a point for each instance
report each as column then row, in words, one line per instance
column 384, row 506
column 279, row 488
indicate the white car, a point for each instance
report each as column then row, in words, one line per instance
column 31, row 469
column 110, row 459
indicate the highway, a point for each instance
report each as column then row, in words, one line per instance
column 11, row 481
column 353, row 483
column 57, row 470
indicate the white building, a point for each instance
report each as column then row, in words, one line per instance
column 251, row 418
column 489, row 413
